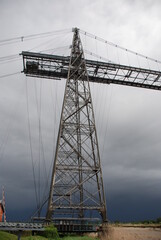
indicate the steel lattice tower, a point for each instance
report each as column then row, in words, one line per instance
column 76, row 190
column 77, row 187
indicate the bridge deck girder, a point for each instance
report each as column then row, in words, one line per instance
column 56, row 67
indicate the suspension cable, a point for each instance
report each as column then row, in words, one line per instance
column 97, row 56
column 31, row 37
column 8, row 75
column 118, row 46
column 31, row 150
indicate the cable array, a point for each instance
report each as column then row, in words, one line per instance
column 118, row 46
column 32, row 36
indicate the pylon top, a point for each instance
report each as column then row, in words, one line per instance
column 75, row 29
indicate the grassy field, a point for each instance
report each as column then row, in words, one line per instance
column 34, row 238
column 8, row 236
column 78, row 238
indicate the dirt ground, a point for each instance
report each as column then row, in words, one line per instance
column 133, row 233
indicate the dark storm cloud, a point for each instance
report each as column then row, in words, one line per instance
column 131, row 157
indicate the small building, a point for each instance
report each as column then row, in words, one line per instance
column 1, row 210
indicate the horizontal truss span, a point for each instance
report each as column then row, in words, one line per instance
column 56, row 67
column 77, row 207
column 63, row 225
column 10, row 226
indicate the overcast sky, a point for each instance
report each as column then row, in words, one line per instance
column 128, row 119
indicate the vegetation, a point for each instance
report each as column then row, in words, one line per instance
column 64, row 238
column 51, row 232
column 157, row 221
column 7, row 236
column 70, row 237
column 34, row 238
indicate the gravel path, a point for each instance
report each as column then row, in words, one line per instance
column 133, row 233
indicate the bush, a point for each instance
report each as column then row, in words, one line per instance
column 51, row 232
column 117, row 222
column 158, row 220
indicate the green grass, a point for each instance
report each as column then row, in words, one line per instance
column 34, row 238
column 7, row 236
column 78, row 238
column 64, row 238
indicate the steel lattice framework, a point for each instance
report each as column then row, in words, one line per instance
column 56, row 67
column 77, row 185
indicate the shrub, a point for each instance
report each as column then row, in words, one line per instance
column 51, row 232
column 158, row 220
column 117, row 222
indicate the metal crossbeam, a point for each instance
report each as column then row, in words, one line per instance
column 56, row 67
column 62, row 224
column 11, row 226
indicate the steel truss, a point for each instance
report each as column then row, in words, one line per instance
column 77, row 186
column 56, row 67
column 76, row 190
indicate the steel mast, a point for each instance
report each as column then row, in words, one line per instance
column 76, row 190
